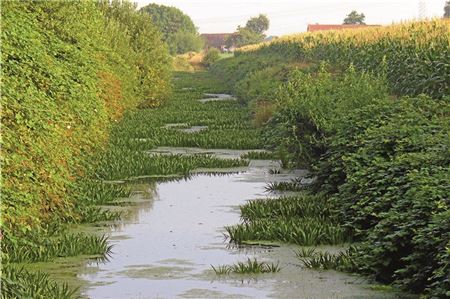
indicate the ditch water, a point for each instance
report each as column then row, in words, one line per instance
column 173, row 233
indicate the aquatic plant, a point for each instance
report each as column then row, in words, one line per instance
column 18, row 282
column 41, row 249
column 305, row 232
column 248, row 267
column 305, row 252
column 260, row 155
column 302, row 205
column 293, row 185
column 343, row 261
column 304, row 219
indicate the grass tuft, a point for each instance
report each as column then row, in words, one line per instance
column 248, row 267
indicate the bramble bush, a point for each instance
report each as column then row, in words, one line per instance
column 393, row 156
column 384, row 162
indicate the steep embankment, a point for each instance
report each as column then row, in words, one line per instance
column 348, row 105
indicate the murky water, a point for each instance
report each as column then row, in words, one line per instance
column 174, row 233
column 213, row 97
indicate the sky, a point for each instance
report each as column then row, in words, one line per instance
column 290, row 16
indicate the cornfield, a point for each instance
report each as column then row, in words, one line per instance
column 414, row 56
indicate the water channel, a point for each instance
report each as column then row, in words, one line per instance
column 174, row 232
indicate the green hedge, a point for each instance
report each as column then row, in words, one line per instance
column 68, row 70
column 385, row 163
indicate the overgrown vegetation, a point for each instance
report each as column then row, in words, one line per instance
column 304, row 219
column 413, row 56
column 378, row 150
column 342, row 261
column 126, row 156
column 20, row 283
column 64, row 80
column 211, row 56
column 69, row 70
column 248, row 267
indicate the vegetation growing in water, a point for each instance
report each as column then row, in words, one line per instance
column 380, row 158
column 382, row 161
column 304, row 219
column 248, row 267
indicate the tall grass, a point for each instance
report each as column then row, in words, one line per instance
column 413, row 55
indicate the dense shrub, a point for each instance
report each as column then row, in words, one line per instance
column 68, row 69
column 211, row 56
column 383, row 159
column 394, row 158
column 310, row 106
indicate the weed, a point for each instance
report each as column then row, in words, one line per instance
column 20, row 283
column 248, row 267
column 259, row 155
column 343, row 261
column 305, row 252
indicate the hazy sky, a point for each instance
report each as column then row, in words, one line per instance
column 288, row 16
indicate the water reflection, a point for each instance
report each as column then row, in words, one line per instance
column 173, row 233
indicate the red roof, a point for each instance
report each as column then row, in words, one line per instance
column 319, row 27
column 215, row 40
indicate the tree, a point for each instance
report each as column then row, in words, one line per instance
column 447, row 9
column 354, row 18
column 258, row 24
column 211, row 56
column 244, row 36
column 183, row 41
column 178, row 30
column 252, row 33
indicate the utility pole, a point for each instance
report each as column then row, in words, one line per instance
column 422, row 9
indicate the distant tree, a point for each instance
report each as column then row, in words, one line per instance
column 211, row 56
column 178, row 30
column 244, row 36
column 258, row 24
column 447, row 9
column 355, row 18
column 183, row 41
column 252, row 33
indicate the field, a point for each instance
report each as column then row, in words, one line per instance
column 367, row 112
column 91, row 103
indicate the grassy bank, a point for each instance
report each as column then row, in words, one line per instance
column 346, row 105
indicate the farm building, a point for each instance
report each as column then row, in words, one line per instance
column 216, row 40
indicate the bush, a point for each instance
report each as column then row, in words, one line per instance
column 311, row 105
column 211, row 56
column 383, row 160
column 396, row 167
